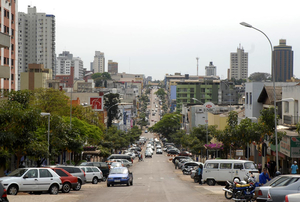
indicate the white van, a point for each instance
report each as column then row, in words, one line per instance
column 221, row 170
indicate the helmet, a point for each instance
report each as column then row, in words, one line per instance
column 277, row 173
column 236, row 180
column 246, row 178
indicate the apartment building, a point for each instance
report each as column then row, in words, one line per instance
column 65, row 61
column 99, row 62
column 239, row 64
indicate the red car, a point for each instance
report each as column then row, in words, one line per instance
column 184, row 153
column 69, row 181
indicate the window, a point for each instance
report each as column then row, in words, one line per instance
column 238, row 166
column 45, row 173
column 212, row 166
column 32, row 173
column 246, row 98
column 89, row 170
column 225, row 165
column 61, row 173
column 250, row 98
column 95, row 170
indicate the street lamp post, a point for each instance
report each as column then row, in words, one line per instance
column 274, row 91
column 47, row 114
column 107, row 114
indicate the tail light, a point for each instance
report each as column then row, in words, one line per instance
column 260, row 193
column 4, row 195
column 286, row 198
column 83, row 173
column 269, row 196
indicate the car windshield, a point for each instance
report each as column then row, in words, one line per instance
column 119, row 171
column 249, row 165
column 116, row 164
column 18, row 172
column 83, row 163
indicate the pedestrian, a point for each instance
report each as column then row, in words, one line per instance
column 141, row 157
column 294, row 168
column 176, row 163
column 263, row 177
column 200, row 170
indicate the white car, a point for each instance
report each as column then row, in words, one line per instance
column 292, row 197
column 150, row 150
column 92, row 174
column 32, row 179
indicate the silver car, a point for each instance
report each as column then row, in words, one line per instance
column 92, row 174
column 261, row 193
column 32, row 179
column 277, row 194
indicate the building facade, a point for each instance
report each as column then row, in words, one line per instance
column 99, row 62
column 112, row 67
column 239, row 64
column 36, row 77
column 36, row 40
column 210, row 70
column 65, row 61
column 283, row 58
column 9, row 37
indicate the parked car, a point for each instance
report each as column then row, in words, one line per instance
column 181, row 157
column 185, row 153
column 120, row 175
column 92, row 174
column 159, row 151
column 277, row 194
column 126, row 163
column 101, row 165
column 261, row 193
column 115, row 164
column 32, row 179
column 183, row 161
column 191, row 164
column 68, row 181
column 3, row 194
column 173, row 151
column 119, row 156
column 292, row 197
column 75, row 171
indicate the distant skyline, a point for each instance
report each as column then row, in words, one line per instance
column 159, row 37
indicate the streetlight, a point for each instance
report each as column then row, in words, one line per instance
column 206, row 124
column 273, row 75
column 107, row 114
column 47, row 114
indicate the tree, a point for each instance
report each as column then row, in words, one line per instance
column 51, row 101
column 101, row 79
column 111, row 104
column 259, row 76
column 168, row 125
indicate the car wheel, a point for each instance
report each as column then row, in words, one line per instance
column 12, row 190
column 95, row 180
column 66, row 187
column 54, row 189
column 211, row 182
column 78, row 187
column 108, row 185
column 128, row 183
column 131, row 183
column 104, row 179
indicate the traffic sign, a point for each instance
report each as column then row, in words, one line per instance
column 97, row 103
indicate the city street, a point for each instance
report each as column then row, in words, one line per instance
column 154, row 179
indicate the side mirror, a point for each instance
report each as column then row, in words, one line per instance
column 25, row 176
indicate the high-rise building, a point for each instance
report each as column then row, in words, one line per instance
column 9, row 39
column 99, row 62
column 210, row 70
column 283, row 61
column 65, row 61
column 112, row 67
column 36, row 40
column 239, row 64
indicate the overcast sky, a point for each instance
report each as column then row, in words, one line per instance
column 165, row 36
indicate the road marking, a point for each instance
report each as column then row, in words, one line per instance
column 140, row 178
column 161, row 178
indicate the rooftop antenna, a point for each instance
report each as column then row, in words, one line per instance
column 197, row 64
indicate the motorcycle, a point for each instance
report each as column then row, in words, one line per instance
column 241, row 191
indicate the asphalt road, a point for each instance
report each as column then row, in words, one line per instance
column 155, row 179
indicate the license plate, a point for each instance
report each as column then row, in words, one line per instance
column 117, row 181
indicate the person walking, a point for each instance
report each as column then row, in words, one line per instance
column 200, row 170
column 294, row 168
column 263, row 177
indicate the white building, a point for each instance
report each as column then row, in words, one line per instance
column 99, row 62
column 36, row 40
column 210, row 70
column 239, row 64
column 65, row 61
